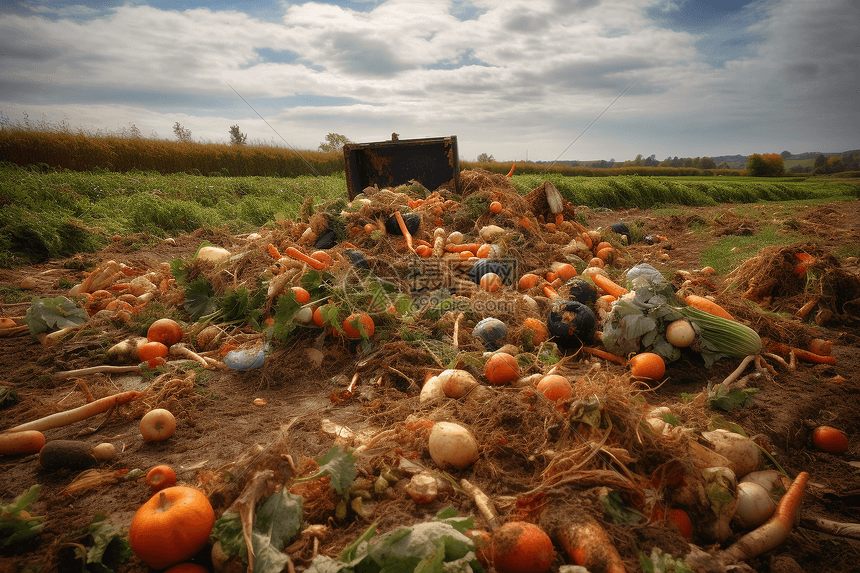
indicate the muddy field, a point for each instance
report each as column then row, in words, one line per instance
column 231, row 424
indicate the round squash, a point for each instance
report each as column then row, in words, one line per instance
column 173, row 526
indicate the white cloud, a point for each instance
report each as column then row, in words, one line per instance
column 504, row 76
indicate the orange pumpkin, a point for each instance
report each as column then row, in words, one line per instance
column 173, row 526
column 164, row 330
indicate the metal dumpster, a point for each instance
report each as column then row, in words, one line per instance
column 433, row 162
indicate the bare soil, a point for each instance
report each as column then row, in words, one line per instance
column 232, row 423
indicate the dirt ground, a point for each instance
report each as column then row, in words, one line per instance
column 232, row 423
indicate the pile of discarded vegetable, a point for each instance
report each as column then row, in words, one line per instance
column 480, row 329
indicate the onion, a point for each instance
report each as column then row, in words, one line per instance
column 452, row 445
column 754, row 505
column 680, row 333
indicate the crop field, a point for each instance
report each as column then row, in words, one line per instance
column 56, row 214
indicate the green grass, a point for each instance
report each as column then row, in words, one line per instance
column 729, row 252
column 55, row 214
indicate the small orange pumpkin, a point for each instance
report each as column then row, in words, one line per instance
column 173, row 526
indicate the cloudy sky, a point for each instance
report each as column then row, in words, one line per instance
column 517, row 79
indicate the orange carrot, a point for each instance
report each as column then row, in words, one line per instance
column 587, row 544
column 273, row 252
column 27, row 442
column 511, row 172
column 471, row 247
column 525, row 223
column 298, row 255
column 605, row 355
column 550, row 292
column 801, row 354
column 423, row 242
column 406, row 234
column 776, row 529
column 609, row 286
column 349, row 245
column 707, row 305
column 77, row 414
column 559, row 218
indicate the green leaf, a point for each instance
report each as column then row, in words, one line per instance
column 285, row 309
column 719, row 423
column 728, row 400
column 179, row 270
column 228, row 530
column 199, row 298
column 16, row 523
column 339, row 465
column 660, row 562
column 620, row 513
column 277, row 520
column 438, row 546
column 110, row 547
column 241, row 304
column 49, row 314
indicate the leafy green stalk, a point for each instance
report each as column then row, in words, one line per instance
column 16, row 523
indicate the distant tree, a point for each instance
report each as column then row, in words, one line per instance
column 334, row 142
column 484, row 158
column 182, row 133
column 133, row 132
column 786, row 154
column 707, row 163
column 766, row 165
column 820, row 161
column 236, row 136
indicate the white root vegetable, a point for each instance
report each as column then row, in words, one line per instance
column 214, row 254
column 742, row 452
column 769, row 480
column 94, row 370
column 456, row 383
column 754, row 505
column 706, row 457
column 452, row 445
column 181, row 351
column 126, row 350
column 77, row 414
column 778, row 527
column 104, row 451
column 680, row 333
column 721, row 489
column 484, row 503
column 432, row 390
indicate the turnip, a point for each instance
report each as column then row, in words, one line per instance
column 126, row 351
column 456, row 383
column 432, row 390
column 213, row 254
column 776, row 529
column 770, row 480
column 452, row 445
column 742, row 452
column 754, row 505
column 680, row 333
column 721, row 488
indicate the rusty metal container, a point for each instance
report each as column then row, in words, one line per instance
column 433, row 162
